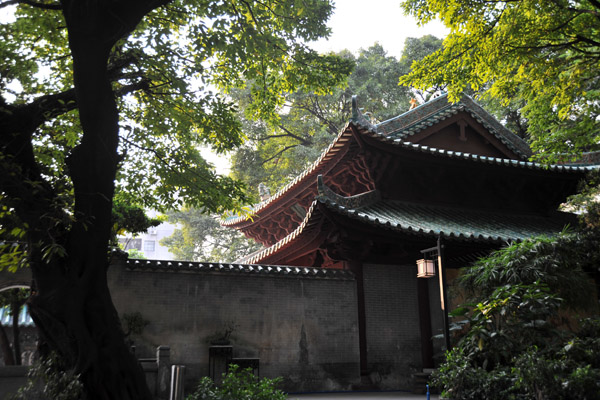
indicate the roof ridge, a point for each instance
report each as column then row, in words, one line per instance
column 417, row 119
column 258, row 269
column 314, row 166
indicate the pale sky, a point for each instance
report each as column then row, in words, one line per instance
column 359, row 24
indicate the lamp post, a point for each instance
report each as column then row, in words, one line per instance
column 426, row 269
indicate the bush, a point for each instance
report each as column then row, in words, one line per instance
column 238, row 385
column 48, row 381
column 568, row 371
column 515, row 345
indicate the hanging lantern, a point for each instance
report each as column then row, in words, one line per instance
column 425, row 268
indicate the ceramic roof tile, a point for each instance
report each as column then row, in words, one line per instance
column 438, row 109
column 235, row 268
column 453, row 223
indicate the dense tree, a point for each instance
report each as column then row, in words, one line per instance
column 278, row 152
column 96, row 92
column 521, row 338
column 544, row 53
column 201, row 237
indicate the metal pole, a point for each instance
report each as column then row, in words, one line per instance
column 443, row 297
column 177, row 375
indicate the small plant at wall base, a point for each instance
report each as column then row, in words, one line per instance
column 222, row 337
column 239, row 385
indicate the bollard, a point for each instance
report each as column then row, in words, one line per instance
column 177, row 375
column 163, row 355
column 427, row 392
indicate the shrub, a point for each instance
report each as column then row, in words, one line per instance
column 48, row 381
column 238, row 385
column 515, row 345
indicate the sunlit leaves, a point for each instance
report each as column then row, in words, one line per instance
column 165, row 75
column 545, row 52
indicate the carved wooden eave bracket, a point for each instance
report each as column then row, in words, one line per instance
column 350, row 202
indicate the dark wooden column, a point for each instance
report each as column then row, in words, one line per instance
column 425, row 323
column 357, row 268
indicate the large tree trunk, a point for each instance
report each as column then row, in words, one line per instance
column 70, row 302
column 16, row 310
column 7, row 354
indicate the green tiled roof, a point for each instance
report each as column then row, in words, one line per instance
column 438, row 109
column 452, row 223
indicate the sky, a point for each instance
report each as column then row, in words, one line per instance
column 359, row 24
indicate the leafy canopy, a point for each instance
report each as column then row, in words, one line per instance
column 546, row 53
column 201, row 237
column 166, row 75
column 279, row 150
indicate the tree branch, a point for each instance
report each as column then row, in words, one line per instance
column 286, row 148
column 45, row 6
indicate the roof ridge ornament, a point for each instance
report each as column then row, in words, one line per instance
column 358, row 117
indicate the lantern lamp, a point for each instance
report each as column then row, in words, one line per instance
column 425, row 268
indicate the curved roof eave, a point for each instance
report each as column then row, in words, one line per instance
column 261, row 255
column 329, row 154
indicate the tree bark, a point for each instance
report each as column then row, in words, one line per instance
column 16, row 308
column 7, row 353
column 70, row 301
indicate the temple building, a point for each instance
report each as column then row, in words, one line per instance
column 335, row 301
column 446, row 174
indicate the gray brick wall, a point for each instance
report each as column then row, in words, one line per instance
column 302, row 328
column 393, row 333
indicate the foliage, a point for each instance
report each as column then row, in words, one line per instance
column 135, row 253
column 240, row 385
column 513, row 323
column 542, row 53
column 276, row 153
column 559, row 262
column 567, row 369
column 462, row 380
column 202, row 238
column 131, row 218
column 568, row 372
column 12, row 234
column 48, row 380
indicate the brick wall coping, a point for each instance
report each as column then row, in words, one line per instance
column 249, row 269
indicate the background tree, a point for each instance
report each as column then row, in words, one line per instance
column 544, row 53
column 118, row 92
column 276, row 153
column 202, row 238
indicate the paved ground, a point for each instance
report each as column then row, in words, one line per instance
column 362, row 396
